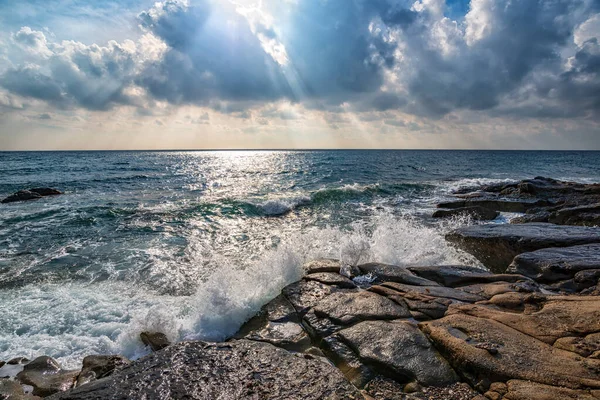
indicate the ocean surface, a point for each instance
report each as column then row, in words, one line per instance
column 194, row 243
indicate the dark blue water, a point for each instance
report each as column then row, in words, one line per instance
column 194, row 242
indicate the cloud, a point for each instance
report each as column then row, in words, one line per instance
column 509, row 58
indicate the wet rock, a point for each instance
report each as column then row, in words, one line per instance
column 434, row 291
column 392, row 273
column 557, row 263
column 31, row 194
column 584, row 346
column 478, row 213
column 278, row 310
column 322, row 265
column 495, row 204
column 518, row 356
column 586, row 215
column 331, row 278
column 287, row 335
column 461, row 275
column 348, row 308
column 489, row 290
column 399, row 350
column 155, row 340
column 10, row 390
column 346, row 360
column 497, row 245
column 46, row 377
column 18, row 360
column 587, row 278
column 97, row 367
column 303, row 295
column 235, row 370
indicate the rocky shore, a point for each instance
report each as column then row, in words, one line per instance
column 528, row 330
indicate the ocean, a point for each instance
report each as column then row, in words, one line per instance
column 193, row 243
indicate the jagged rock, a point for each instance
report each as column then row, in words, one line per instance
column 495, row 204
column 348, row 308
column 46, row 377
column 497, row 245
column 303, row 295
column 524, row 390
column 331, row 278
column 478, row 213
column 322, row 265
column 393, row 273
column 239, row 369
column 557, row 263
column 547, row 319
column 97, row 367
column 31, row 194
column 398, row 349
column 584, row 346
column 434, row 291
column 155, row 340
column 517, row 355
column 461, row 275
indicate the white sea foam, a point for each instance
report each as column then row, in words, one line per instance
column 69, row 321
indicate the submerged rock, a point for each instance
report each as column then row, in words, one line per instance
column 239, row 369
column 47, row 377
column 31, row 194
column 496, row 245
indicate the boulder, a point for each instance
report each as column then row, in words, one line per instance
column 46, row 376
column 322, row 265
column 399, row 350
column 100, row 366
column 240, row 369
column 155, row 340
column 557, row 263
column 331, row 278
column 393, row 273
column 484, row 351
column 303, row 295
column 497, row 245
column 347, row 361
column 477, row 213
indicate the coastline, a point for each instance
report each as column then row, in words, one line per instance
column 528, row 331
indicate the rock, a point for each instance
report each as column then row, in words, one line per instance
column 46, row 376
column 524, row 390
column 97, row 367
column 155, row 340
column 518, row 356
column 478, row 213
column 278, row 310
column 557, row 263
column 303, row 295
column 348, row 308
column 542, row 216
column 399, row 349
column 586, row 215
column 287, row 335
column 422, row 307
column 497, row 245
column 460, row 275
column 587, row 278
column 392, row 273
column 584, row 346
column 239, row 369
column 331, row 278
column 489, row 290
column 545, row 319
column 495, row 204
column 434, row 291
column 31, row 194
column 346, row 360
column 322, row 265
column 10, row 390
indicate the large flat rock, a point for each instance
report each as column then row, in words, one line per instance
column 400, row 349
column 556, row 264
column 486, row 350
column 234, row 370
column 497, row 245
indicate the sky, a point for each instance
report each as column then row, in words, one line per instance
column 223, row 74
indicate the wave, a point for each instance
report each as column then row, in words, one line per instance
column 74, row 319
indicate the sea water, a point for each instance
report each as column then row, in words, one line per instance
column 194, row 243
